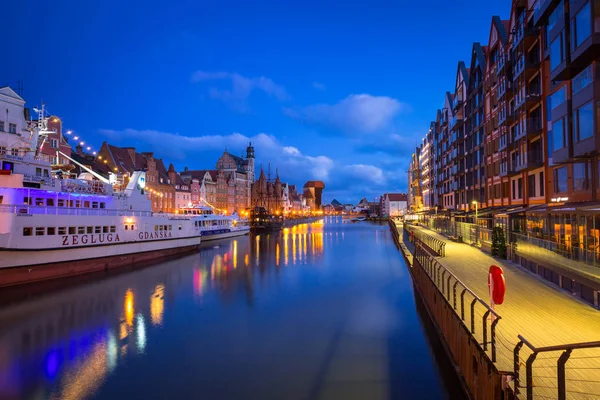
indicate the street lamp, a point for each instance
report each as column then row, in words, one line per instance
column 475, row 202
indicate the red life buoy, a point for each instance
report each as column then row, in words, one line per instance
column 497, row 276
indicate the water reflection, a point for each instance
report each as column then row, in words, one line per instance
column 67, row 345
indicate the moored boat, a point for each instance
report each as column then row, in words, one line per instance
column 211, row 226
column 261, row 221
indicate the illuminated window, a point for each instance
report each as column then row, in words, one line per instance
column 51, row 230
column 39, row 201
column 62, row 230
column 105, row 229
column 86, row 204
column 113, row 229
column 27, row 231
column 77, row 203
column 39, row 231
column 81, row 230
column 27, row 200
column 94, row 204
column 61, row 202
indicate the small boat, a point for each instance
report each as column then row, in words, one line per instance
column 358, row 219
column 261, row 221
column 211, row 226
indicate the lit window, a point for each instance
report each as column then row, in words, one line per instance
column 81, row 230
column 39, row 201
column 113, row 229
column 61, row 202
column 105, row 229
column 86, row 204
column 62, row 230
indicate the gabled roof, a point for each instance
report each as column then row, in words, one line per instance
column 397, row 196
column 200, row 173
column 501, row 28
column 463, row 72
column 123, row 161
column 7, row 91
column 162, row 171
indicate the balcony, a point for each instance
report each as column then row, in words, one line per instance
column 505, row 116
column 456, row 121
column 531, row 96
column 456, row 103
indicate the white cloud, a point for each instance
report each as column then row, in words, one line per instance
column 357, row 113
column 241, row 87
column 367, row 173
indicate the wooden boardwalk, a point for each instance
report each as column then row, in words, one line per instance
column 542, row 313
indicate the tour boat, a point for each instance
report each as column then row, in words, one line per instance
column 211, row 226
column 52, row 227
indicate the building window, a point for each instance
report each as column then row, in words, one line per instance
column 556, row 14
column 583, row 122
column 1, row 126
column 531, row 185
column 582, row 80
column 580, row 176
column 559, row 137
column 14, row 152
column 560, row 180
column 558, row 97
column 557, row 54
column 542, row 183
column 54, row 143
column 12, row 128
column 581, row 26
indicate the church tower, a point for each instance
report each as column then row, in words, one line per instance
column 250, row 159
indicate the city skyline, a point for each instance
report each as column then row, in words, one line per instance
column 168, row 81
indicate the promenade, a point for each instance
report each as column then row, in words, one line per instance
column 540, row 312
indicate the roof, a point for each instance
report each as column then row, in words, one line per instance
column 501, row 27
column 397, row 196
column 199, row 173
column 179, row 180
column 162, row 171
column 7, row 91
column 308, row 194
column 315, row 184
column 122, row 159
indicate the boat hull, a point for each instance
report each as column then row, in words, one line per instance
column 224, row 235
column 21, row 267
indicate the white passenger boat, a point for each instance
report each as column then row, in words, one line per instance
column 211, row 226
column 52, row 227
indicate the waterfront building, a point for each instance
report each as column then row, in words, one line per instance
column 426, row 167
column 415, row 199
column 234, row 179
column 14, row 125
column 393, row 204
column 204, row 190
column 268, row 193
column 313, row 190
column 183, row 195
column 56, row 141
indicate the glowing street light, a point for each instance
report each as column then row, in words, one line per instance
column 475, row 202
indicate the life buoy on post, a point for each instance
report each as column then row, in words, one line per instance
column 496, row 284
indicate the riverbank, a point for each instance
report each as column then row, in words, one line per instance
column 289, row 222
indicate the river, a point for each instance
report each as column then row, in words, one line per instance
column 318, row 311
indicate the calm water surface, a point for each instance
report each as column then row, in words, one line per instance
column 325, row 310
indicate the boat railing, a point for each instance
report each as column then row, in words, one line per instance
column 26, row 210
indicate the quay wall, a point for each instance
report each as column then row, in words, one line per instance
column 477, row 373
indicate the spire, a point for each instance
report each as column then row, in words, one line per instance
column 171, row 168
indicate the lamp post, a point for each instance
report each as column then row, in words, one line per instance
column 475, row 202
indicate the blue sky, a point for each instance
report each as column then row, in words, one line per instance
column 331, row 90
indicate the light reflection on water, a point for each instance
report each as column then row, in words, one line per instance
column 67, row 345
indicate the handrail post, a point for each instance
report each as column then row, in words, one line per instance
column 442, row 280
column 493, row 334
column 462, row 304
column 454, row 290
column 529, row 377
column 561, row 375
column 473, row 315
column 448, row 286
column 517, row 366
column 485, row 317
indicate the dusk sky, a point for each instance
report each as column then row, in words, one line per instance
column 336, row 91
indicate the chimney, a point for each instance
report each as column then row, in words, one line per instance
column 185, row 169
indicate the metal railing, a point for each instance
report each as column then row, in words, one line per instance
column 551, row 378
column 471, row 309
column 50, row 210
column 553, row 251
column 436, row 245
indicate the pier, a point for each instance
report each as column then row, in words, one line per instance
column 542, row 344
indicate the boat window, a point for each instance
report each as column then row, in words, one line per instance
column 81, row 230
column 1, row 199
column 179, row 226
column 39, row 231
column 51, row 230
column 70, row 203
column 113, row 229
column 46, row 174
column 50, row 202
column 97, row 229
column 105, row 229
column 155, row 228
column 61, row 202
column 89, row 229
column 62, row 230
column 86, row 204
column 132, row 227
column 39, row 201
column 27, row 200
column 170, row 227
column 126, row 227
column 77, row 203
column 27, row 231
column 94, row 204
column 38, row 171
column 102, row 204
column 72, row 230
